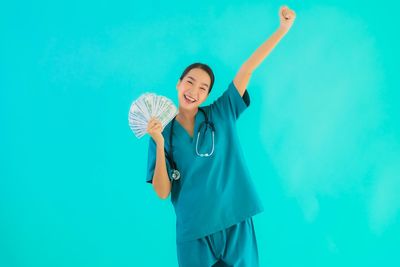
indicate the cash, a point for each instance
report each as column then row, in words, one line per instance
column 145, row 107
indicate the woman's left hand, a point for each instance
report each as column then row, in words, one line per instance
column 287, row 17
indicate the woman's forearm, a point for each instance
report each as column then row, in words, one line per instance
column 242, row 78
column 262, row 52
column 161, row 182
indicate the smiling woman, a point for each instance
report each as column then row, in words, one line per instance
column 321, row 136
column 214, row 197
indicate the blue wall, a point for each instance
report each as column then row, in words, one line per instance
column 323, row 149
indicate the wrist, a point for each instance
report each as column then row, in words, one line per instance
column 160, row 143
column 282, row 30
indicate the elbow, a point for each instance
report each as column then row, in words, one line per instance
column 162, row 192
column 163, row 195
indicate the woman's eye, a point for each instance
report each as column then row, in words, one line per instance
column 203, row 88
column 189, row 82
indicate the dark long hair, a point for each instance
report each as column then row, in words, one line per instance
column 202, row 66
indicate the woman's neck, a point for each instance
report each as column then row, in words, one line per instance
column 186, row 115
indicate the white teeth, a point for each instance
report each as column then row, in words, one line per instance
column 190, row 98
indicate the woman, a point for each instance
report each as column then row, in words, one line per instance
column 214, row 197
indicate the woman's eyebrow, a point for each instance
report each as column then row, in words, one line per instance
column 195, row 80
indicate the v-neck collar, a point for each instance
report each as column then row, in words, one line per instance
column 196, row 118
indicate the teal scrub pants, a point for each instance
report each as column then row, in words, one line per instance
column 235, row 246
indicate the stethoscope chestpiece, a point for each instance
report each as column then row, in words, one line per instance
column 175, row 174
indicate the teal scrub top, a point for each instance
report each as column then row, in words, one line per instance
column 213, row 192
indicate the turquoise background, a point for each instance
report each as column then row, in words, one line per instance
column 321, row 136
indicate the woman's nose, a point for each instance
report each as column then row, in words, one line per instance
column 193, row 92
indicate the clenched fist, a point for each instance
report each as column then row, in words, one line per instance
column 287, row 17
column 154, row 128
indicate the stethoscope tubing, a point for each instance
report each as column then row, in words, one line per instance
column 170, row 157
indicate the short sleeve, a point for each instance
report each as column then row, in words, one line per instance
column 151, row 161
column 230, row 103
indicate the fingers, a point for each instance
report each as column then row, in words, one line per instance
column 292, row 14
column 154, row 125
column 155, row 128
column 287, row 13
column 153, row 121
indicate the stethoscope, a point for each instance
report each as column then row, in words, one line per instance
column 175, row 174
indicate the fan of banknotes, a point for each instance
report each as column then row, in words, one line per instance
column 150, row 105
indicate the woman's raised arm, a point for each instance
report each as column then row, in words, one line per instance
column 242, row 78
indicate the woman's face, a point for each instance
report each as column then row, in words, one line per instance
column 193, row 89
